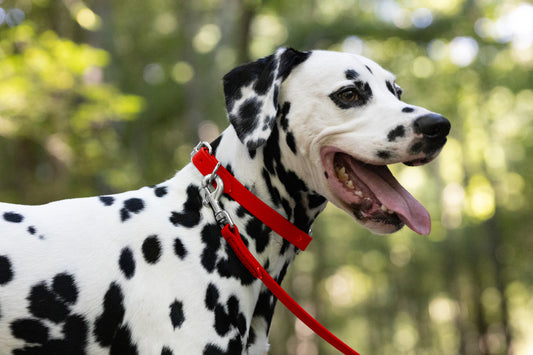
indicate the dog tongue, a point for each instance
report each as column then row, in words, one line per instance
column 390, row 193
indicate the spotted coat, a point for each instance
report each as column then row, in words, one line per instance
column 147, row 272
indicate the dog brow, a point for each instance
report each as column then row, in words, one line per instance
column 351, row 74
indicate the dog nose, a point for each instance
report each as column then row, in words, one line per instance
column 433, row 126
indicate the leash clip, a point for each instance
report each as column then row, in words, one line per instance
column 211, row 197
column 200, row 146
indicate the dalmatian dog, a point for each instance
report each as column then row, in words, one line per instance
column 147, row 271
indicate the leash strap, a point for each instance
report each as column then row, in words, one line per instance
column 208, row 165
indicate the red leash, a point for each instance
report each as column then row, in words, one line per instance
column 209, row 166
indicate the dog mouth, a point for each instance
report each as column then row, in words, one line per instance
column 372, row 194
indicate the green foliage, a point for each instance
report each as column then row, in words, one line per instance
column 54, row 107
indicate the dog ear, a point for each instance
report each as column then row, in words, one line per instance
column 251, row 92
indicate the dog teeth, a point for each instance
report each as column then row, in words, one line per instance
column 349, row 183
column 341, row 174
column 385, row 209
column 358, row 193
column 343, row 177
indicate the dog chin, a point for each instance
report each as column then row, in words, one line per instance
column 380, row 228
column 379, row 223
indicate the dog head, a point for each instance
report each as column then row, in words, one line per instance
column 345, row 119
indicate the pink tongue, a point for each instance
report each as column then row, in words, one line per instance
column 390, row 193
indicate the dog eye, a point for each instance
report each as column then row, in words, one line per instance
column 348, row 95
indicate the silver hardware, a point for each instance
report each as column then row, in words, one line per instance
column 210, row 194
column 211, row 197
column 199, row 146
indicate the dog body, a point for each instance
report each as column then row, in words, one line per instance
column 147, row 271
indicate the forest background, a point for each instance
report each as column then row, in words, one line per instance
column 101, row 96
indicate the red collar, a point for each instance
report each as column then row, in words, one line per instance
column 206, row 163
column 209, row 166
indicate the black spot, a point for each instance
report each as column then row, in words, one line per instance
column 6, row 272
column 176, row 314
column 32, row 230
column 211, row 238
column 351, row 74
column 275, row 96
column 259, row 232
column 242, row 76
column 75, row 330
column 315, row 200
column 390, row 87
column 227, row 264
column 399, row 131
column 285, row 109
column 211, row 349
column 211, row 297
column 289, row 59
column 326, row 174
column 179, row 248
column 234, row 347
column 122, row 343
column 226, row 316
column 383, row 154
column 107, row 324
column 273, row 191
column 222, row 320
column 370, row 70
column 254, row 144
column 408, row 109
column 191, row 209
column 107, row 200
column 65, row 287
column 215, row 144
column 134, row 205
column 248, row 112
column 124, row 214
column 291, row 142
column 13, row 217
column 126, row 263
column 30, row 330
column 266, row 79
column 160, row 191
column 45, row 304
column 166, row 351
column 236, row 317
column 251, row 338
column 233, row 267
column 151, row 249
column 265, row 306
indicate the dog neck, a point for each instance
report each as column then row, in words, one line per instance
column 266, row 173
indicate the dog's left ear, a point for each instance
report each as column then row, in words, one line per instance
column 251, row 92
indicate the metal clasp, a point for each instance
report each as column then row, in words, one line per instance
column 199, row 146
column 211, row 197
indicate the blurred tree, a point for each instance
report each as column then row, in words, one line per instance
column 57, row 117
